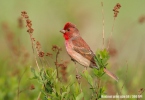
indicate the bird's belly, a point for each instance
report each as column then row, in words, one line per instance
column 76, row 56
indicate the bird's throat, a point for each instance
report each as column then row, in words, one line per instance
column 66, row 36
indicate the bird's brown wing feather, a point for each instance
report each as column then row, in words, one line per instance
column 80, row 46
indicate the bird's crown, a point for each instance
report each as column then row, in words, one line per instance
column 68, row 25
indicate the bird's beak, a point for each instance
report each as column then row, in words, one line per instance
column 62, row 31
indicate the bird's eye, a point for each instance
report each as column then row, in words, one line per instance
column 68, row 29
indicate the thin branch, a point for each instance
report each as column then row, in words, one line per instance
column 103, row 21
column 46, row 62
column 125, row 78
column 19, row 83
column 40, row 93
column 78, row 77
column 116, row 11
column 36, row 62
column 141, row 92
column 56, row 61
column 111, row 34
column 98, row 87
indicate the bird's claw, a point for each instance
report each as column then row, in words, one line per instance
column 84, row 69
column 78, row 76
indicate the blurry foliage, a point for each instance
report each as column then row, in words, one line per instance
column 54, row 88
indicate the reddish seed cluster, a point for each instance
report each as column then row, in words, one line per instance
column 30, row 31
column 41, row 54
column 140, row 90
column 63, row 70
column 141, row 19
column 32, row 87
column 49, row 54
column 55, row 47
column 38, row 48
column 28, row 22
column 24, row 14
column 116, row 9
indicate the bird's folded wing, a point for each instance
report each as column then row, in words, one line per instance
column 80, row 46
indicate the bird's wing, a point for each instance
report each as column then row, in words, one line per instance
column 80, row 46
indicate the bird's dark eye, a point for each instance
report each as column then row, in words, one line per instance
column 68, row 29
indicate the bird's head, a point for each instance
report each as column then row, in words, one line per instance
column 69, row 31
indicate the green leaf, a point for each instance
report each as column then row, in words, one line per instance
column 35, row 73
column 80, row 96
column 63, row 95
column 101, row 92
column 88, row 77
column 101, row 58
column 99, row 73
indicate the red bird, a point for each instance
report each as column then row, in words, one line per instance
column 78, row 49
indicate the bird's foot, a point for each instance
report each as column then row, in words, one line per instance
column 78, row 77
column 85, row 69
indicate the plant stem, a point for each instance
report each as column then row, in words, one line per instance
column 56, row 60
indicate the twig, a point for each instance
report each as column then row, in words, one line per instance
column 57, row 49
column 98, row 86
column 103, row 21
column 125, row 78
column 141, row 92
column 30, row 30
column 36, row 63
column 56, row 61
column 116, row 11
column 111, row 33
column 40, row 93
column 46, row 62
column 78, row 77
column 19, row 83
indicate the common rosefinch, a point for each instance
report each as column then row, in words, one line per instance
column 79, row 50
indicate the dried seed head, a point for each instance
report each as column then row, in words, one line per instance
column 55, row 48
column 23, row 12
column 116, row 9
column 28, row 22
column 32, row 87
column 78, row 77
column 49, row 54
column 38, row 46
column 41, row 54
column 141, row 19
column 63, row 71
column 30, row 30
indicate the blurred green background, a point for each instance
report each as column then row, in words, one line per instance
column 48, row 17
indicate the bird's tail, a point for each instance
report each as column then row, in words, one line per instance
column 111, row 74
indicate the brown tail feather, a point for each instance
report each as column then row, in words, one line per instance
column 111, row 74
